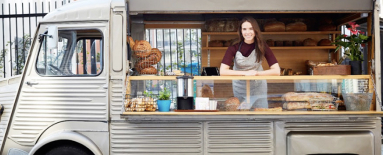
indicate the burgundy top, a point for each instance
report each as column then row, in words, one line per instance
column 246, row 50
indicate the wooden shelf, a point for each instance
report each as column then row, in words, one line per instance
column 261, row 113
column 282, row 48
column 275, row 33
column 296, row 77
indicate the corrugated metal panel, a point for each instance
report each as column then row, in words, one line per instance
column 214, row 6
column 330, row 125
column 240, row 138
column 116, row 98
column 155, row 138
column 8, row 92
column 42, row 105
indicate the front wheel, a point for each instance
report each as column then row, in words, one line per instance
column 69, row 150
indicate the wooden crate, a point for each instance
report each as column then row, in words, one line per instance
column 332, row 70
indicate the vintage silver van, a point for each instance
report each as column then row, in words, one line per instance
column 56, row 107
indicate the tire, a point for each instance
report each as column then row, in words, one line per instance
column 69, row 150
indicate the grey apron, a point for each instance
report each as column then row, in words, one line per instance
column 258, row 88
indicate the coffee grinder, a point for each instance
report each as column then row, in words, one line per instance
column 185, row 97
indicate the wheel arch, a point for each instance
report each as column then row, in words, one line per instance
column 65, row 137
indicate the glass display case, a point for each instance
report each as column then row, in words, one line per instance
column 259, row 93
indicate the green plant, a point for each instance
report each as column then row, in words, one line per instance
column 352, row 44
column 148, row 94
column 164, row 94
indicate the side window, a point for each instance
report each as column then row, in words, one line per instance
column 79, row 52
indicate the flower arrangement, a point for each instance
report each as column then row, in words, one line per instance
column 353, row 43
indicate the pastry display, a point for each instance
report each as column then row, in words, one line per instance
column 140, row 104
column 144, row 65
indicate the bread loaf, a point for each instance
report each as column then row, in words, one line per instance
column 297, row 26
column 328, row 27
column 231, row 25
column 232, row 104
column 274, row 26
column 149, row 70
column 297, row 43
column 206, row 91
column 287, row 43
column 324, row 42
column 270, row 42
column 278, row 43
column 142, row 49
column 215, row 43
column 305, row 97
column 309, row 42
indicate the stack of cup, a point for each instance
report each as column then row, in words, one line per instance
column 212, row 105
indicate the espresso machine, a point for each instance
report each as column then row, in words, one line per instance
column 185, row 97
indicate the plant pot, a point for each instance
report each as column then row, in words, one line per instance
column 356, row 67
column 163, row 105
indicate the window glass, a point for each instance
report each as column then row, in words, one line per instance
column 79, row 52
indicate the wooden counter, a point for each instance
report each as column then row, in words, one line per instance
column 294, row 77
column 377, row 113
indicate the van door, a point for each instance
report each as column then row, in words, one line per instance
column 69, row 83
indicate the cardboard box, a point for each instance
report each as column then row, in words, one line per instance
column 332, row 70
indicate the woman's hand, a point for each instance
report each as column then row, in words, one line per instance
column 251, row 73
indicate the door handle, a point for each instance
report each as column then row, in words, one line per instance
column 31, row 83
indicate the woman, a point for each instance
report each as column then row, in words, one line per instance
column 248, row 55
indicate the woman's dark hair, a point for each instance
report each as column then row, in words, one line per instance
column 258, row 39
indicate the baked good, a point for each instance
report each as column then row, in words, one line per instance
column 157, row 54
column 268, row 109
column 297, row 43
column 287, row 43
column 142, row 49
column 149, row 70
column 232, row 104
column 206, row 91
column 309, row 42
column 305, row 97
column 297, row 105
column 274, row 26
column 153, row 58
column 328, row 27
column 270, row 42
column 297, row 26
column 231, row 25
column 215, row 43
column 278, row 43
column 130, row 41
column 324, row 42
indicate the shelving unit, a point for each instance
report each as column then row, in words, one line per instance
column 292, row 57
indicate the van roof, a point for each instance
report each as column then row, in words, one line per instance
column 85, row 10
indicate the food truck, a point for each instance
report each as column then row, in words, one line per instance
column 82, row 89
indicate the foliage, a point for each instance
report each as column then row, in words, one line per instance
column 22, row 46
column 148, row 94
column 164, row 94
column 352, row 44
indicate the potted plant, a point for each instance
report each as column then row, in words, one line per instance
column 163, row 101
column 352, row 47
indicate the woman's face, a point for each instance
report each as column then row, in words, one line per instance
column 248, row 32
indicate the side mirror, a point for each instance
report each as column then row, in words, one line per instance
column 52, row 37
